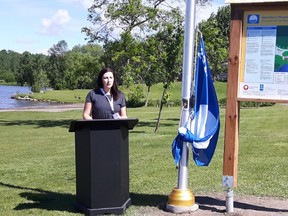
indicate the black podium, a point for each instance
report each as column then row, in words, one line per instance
column 102, row 165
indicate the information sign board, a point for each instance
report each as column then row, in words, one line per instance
column 264, row 62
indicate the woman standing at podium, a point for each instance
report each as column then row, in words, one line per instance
column 105, row 101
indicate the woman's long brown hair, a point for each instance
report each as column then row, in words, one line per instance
column 114, row 89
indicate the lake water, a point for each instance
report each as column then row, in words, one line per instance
column 7, row 91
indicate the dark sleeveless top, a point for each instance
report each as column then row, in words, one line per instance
column 101, row 108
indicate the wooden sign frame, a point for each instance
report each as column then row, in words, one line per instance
column 235, row 65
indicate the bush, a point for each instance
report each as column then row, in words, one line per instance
column 170, row 103
column 246, row 104
column 153, row 103
column 136, row 96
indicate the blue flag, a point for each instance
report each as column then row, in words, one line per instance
column 203, row 130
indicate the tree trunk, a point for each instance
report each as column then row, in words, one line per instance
column 160, row 109
column 147, row 96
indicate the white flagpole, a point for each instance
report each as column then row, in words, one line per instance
column 182, row 199
column 187, row 76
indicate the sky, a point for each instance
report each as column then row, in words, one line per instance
column 36, row 25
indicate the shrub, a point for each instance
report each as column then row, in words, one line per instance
column 136, row 96
column 246, row 104
column 170, row 103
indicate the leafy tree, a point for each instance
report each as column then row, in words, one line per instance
column 25, row 73
column 40, row 79
column 9, row 65
column 58, row 65
column 83, row 65
column 14, row 60
column 170, row 55
column 223, row 19
column 7, row 76
column 110, row 16
column 122, row 56
column 148, row 65
column 140, row 17
column 32, row 71
column 3, row 60
column 215, row 33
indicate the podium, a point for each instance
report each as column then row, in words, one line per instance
column 102, row 165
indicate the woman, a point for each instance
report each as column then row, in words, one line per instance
column 106, row 101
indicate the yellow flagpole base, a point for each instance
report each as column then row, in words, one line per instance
column 181, row 201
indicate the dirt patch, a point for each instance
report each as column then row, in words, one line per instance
column 213, row 205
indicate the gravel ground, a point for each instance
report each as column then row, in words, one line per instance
column 215, row 205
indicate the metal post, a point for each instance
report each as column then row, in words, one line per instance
column 181, row 198
column 229, row 201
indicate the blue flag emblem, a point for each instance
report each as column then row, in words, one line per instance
column 202, row 130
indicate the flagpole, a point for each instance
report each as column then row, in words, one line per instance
column 181, row 198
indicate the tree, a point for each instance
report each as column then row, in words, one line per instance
column 6, row 76
column 149, row 68
column 170, row 55
column 83, row 66
column 9, row 65
column 32, row 71
column 223, row 19
column 25, row 73
column 110, row 16
column 216, row 33
column 135, row 61
column 38, row 67
column 57, row 65
column 121, row 55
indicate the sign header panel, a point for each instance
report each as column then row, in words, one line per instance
column 264, row 57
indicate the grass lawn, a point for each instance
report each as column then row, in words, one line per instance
column 78, row 95
column 37, row 172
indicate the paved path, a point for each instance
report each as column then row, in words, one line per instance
column 49, row 108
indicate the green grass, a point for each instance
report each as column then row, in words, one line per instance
column 66, row 96
column 37, row 172
column 78, row 95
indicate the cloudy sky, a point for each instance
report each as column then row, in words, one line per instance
column 36, row 25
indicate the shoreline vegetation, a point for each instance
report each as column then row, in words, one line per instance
column 29, row 98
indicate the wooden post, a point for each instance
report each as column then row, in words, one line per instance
column 230, row 161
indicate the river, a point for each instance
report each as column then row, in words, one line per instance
column 6, row 102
